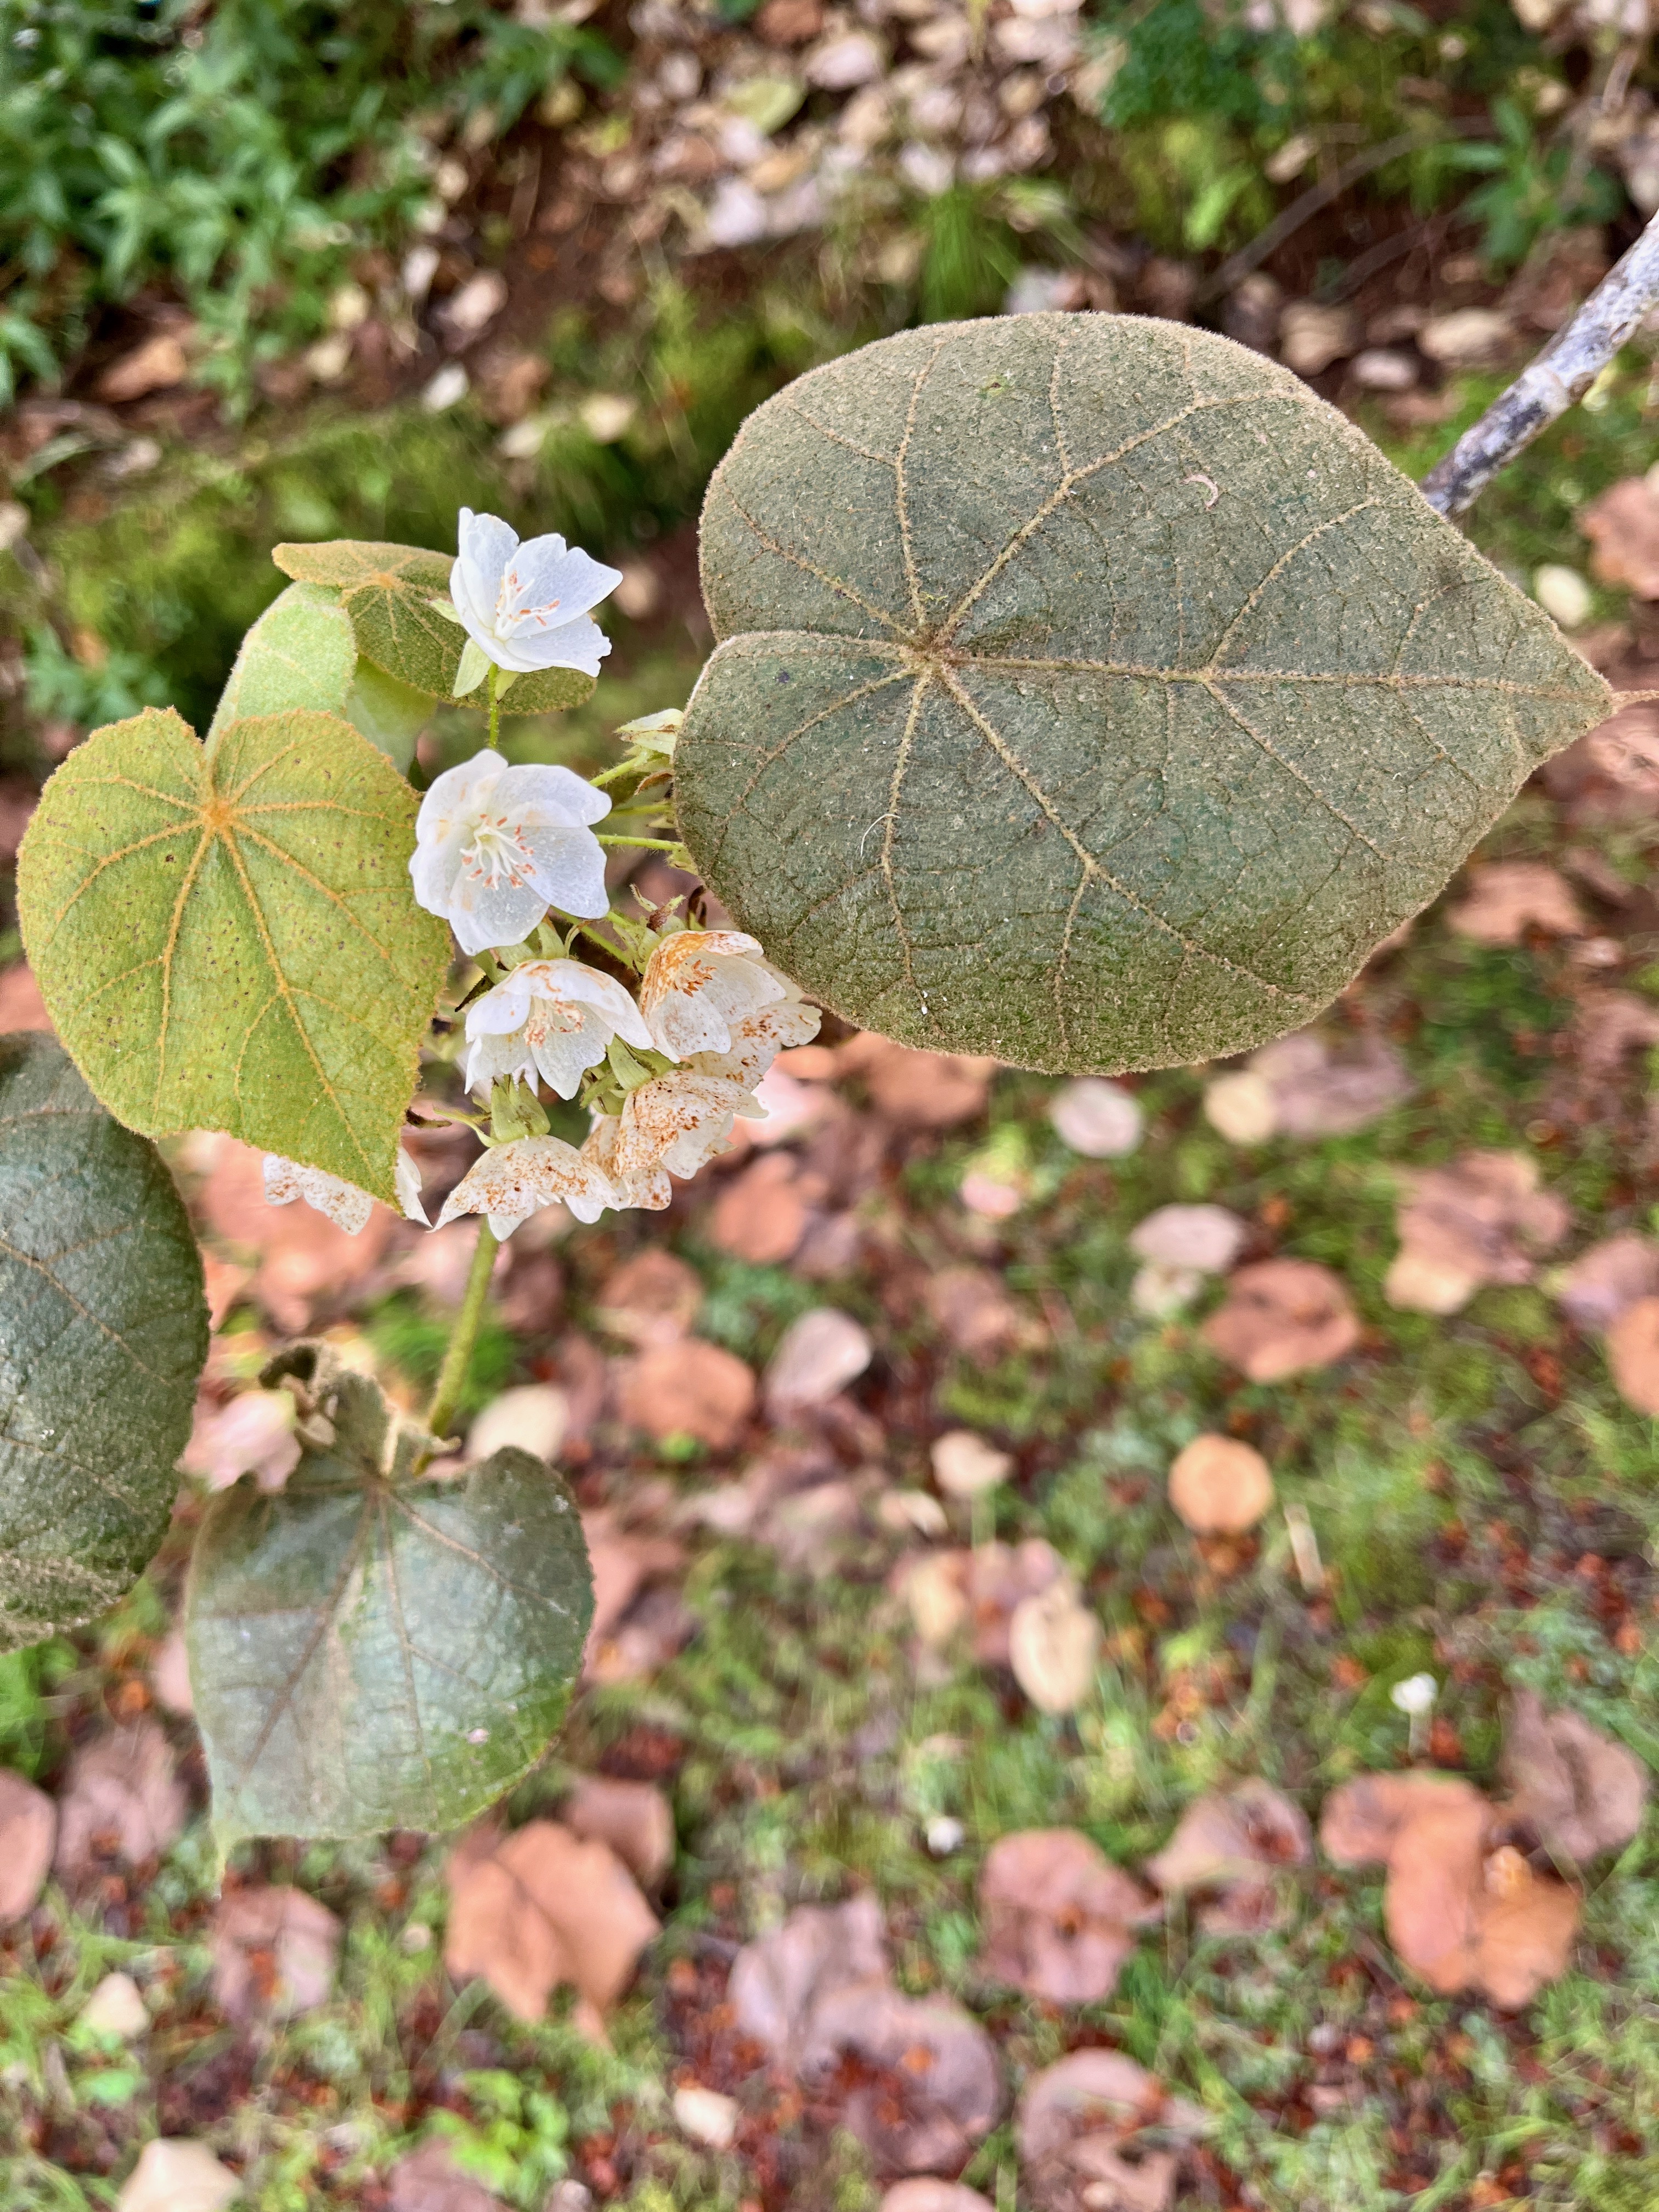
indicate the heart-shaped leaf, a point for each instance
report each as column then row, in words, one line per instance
column 369, row 1651
column 1091, row 693
column 103, row 1331
column 300, row 653
column 388, row 592
column 226, row 936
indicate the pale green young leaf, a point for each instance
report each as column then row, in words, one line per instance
column 1092, row 695
column 369, row 1651
column 103, row 1331
column 390, row 714
column 226, row 936
column 389, row 593
column 300, row 653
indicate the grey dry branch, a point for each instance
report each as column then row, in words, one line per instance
column 1557, row 380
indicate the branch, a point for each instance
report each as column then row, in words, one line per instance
column 1557, row 380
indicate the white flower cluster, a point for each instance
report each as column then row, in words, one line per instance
column 497, row 846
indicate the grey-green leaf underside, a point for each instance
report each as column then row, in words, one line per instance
column 369, row 1651
column 1091, row 693
column 103, row 1331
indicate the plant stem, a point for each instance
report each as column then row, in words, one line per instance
column 1556, row 380
column 645, row 844
column 452, row 1376
column 495, row 705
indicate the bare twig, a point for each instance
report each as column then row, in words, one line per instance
column 1557, row 380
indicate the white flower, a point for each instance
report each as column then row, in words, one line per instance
column 758, row 1039
column 673, row 1125
column 554, row 1018
column 512, row 1181
column 1415, row 1695
column 525, row 605
column 703, row 988
column 345, row 1206
column 494, row 847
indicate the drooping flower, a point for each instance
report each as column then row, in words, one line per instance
column 554, row 1018
column 513, row 1181
column 673, row 1125
column 701, row 984
column 758, row 1038
column 343, row 1203
column 524, row 605
column 496, row 845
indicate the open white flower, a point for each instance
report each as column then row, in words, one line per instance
column 554, row 1018
column 701, row 984
column 496, row 845
column 524, row 606
column 343, row 1203
column 673, row 1125
column 513, row 1181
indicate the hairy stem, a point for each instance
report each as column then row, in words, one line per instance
column 645, row 844
column 452, row 1376
column 1556, row 380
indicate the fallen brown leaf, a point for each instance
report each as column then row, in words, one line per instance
column 1612, row 773
column 540, row 1907
column 429, row 2180
column 1482, row 1219
column 1220, row 1486
column 917, row 1089
column 249, row 1434
column 121, row 1799
column 21, row 1007
column 1609, row 1023
column 1509, row 897
column 1321, row 1089
column 1059, row 1917
column 1623, row 526
column 636, row 1626
column 1582, row 1792
column 819, row 1354
column 973, row 1310
column 304, row 1261
column 1234, row 1843
column 778, row 1981
column 155, row 365
column 532, row 1417
column 924, row 2193
column 1100, row 1120
column 29, row 1830
column 176, row 2175
column 275, row 1950
column 1206, row 1237
column 1606, row 1280
column 1361, row 1819
column 689, row 1388
column 965, row 1464
column 1283, row 1317
column 1078, row 2125
column 633, row 1818
column 1633, row 1355
column 940, row 2093
column 762, row 1215
column 652, row 1298
column 1054, row 1647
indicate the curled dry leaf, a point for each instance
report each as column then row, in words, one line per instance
column 1233, row 1843
column 1078, row 2125
column 275, row 1950
column 965, row 1464
column 1583, row 1793
column 633, row 1818
column 763, row 1214
column 1481, row 1220
column 1101, row 1120
column 1220, row 1486
column 541, row 1907
column 1059, row 1917
column 778, row 1981
column 1206, row 1237
column 176, row 2175
column 1607, row 1280
column 29, row 1830
column 1509, row 897
column 689, row 1388
column 1459, row 1914
column 973, row 1310
column 819, row 1354
column 1053, row 1646
column 939, row 2086
column 121, row 1798
column 652, row 1298
column 917, row 1089
column 1283, row 1317
column 1633, row 1355
column 429, row 2180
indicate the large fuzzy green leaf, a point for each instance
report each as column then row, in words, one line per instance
column 300, row 653
column 226, row 936
column 371, row 1652
column 1091, row 693
column 103, row 1331
column 388, row 592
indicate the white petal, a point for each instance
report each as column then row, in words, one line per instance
column 474, row 666
column 568, row 870
column 575, row 980
column 580, row 644
column 502, row 1009
column 557, row 793
column 407, row 1176
column 457, row 795
column 564, row 1056
column 485, row 544
column 339, row 1202
column 482, row 917
column 494, row 1059
column 515, row 1179
column 546, row 587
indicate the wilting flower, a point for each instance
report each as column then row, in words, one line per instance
column 494, row 847
column 673, row 1125
column 525, row 605
column 346, row 1207
column 513, row 1181
column 701, row 986
column 758, row 1039
column 554, row 1018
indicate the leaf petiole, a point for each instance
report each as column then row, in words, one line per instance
column 452, row 1376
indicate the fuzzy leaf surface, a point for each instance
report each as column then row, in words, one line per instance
column 387, row 592
column 1091, row 693
column 103, row 1331
column 226, row 936
column 369, row 1651
column 300, row 653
